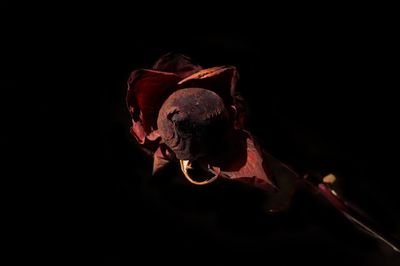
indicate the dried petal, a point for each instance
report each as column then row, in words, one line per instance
column 247, row 162
column 162, row 156
column 222, row 80
column 176, row 63
column 147, row 90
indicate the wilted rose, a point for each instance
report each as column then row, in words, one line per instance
column 182, row 112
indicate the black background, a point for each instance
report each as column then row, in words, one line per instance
column 321, row 96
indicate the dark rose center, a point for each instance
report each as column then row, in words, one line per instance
column 193, row 123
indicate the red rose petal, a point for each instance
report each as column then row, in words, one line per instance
column 147, row 90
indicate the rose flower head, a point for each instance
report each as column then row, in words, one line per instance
column 182, row 113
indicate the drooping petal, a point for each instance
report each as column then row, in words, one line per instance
column 162, row 156
column 147, row 90
column 141, row 136
column 176, row 63
column 248, row 165
column 138, row 132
